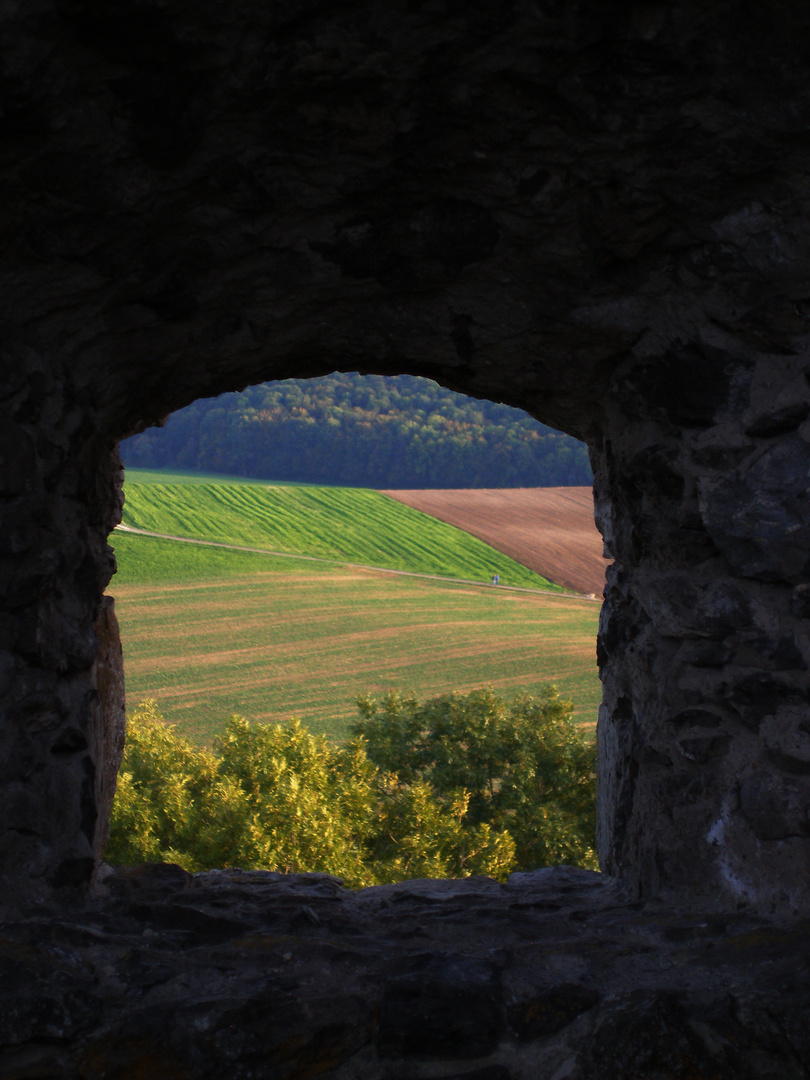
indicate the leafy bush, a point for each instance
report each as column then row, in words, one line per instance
column 526, row 767
column 459, row 785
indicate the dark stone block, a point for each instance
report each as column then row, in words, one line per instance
column 759, row 515
column 459, row 232
column 707, row 654
column 69, row 741
column 550, row 1011
column 780, row 421
column 17, row 457
column 73, row 873
column 724, row 608
column 159, row 95
column 758, row 696
column 87, row 800
column 687, row 789
column 275, row 1037
column 84, row 993
column 451, row 1008
column 201, row 926
column 142, row 1053
column 684, row 609
column 800, row 601
column 530, row 185
column 149, row 879
column 45, row 1000
column 462, row 339
column 789, row 763
column 438, row 1022
column 651, row 472
column 618, row 626
column 775, row 807
column 403, row 249
column 687, row 545
column 786, row 655
column 703, row 748
column 488, row 1072
column 689, row 388
column 659, row 1037
column 723, row 458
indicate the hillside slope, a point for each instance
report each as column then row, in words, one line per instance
column 344, row 524
column 550, row 530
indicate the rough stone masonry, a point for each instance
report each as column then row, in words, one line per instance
column 596, row 211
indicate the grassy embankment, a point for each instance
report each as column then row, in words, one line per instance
column 211, row 631
column 341, row 524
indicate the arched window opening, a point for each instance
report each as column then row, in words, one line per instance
column 366, row 555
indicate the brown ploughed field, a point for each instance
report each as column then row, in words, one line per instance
column 550, row 530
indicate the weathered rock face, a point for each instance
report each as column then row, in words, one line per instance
column 592, row 211
column 704, row 727
column 266, row 977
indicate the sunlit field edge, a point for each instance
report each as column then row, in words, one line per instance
column 210, row 632
column 342, row 524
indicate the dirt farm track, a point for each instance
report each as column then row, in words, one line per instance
column 550, row 530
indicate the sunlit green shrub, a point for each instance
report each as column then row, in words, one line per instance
column 459, row 785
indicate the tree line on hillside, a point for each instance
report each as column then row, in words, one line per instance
column 368, row 431
column 458, row 785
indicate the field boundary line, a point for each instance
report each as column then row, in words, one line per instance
column 356, row 566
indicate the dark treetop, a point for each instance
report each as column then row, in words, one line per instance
column 371, row 431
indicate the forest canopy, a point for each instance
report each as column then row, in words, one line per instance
column 362, row 430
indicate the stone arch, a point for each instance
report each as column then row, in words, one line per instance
column 597, row 216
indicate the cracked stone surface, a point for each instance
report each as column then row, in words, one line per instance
column 595, row 212
column 265, row 976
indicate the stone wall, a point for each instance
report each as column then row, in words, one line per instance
column 61, row 677
column 705, row 725
column 261, row 976
column 595, row 212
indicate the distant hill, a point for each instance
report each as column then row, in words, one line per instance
column 365, row 431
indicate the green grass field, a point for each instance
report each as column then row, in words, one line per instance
column 344, row 524
column 211, row 631
column 219, row 632
column 179, row 476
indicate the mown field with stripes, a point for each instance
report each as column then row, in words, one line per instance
column 210, row 631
